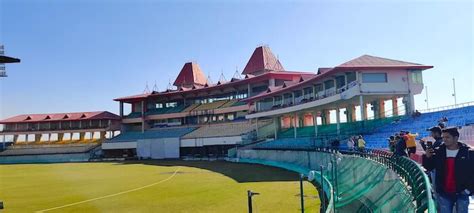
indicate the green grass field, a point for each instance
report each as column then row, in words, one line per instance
column 151, row 186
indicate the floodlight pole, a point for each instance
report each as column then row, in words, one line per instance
column 426, row 92
column 454, row 94
column 249, row 199
column 301, row 193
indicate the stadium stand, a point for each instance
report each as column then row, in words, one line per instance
column 229, row 103
column 456, row 117
column 152, row 133
column 158, row 111
column 191, row 107
column 209, row 106
column 48, row 149
column 221, row 130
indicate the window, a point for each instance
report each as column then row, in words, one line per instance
column 171, row 104
column 319, row 87
column 374, row 77
column 351, row 76
column 329, row 84
column 159, row 105
column 416, row 77
column 340, row 81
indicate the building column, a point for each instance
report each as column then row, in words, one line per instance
column 327, row 116
column 338, row 121
column 249, row 90
column 315, row 122
column 275, row 122
column 37, row 138
column 143, row 117
column 409, row 102
column 82, row 136
column 350, row 113
column 363, row 108
column 26, row 138
column 15, row 138
column 381, row 108
column 395, row 106
column 293, row 120
column 256, row 127
column 102, row 135
column 121, row 109
column 60, row 136
column 375, row 109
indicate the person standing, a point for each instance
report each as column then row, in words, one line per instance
column 410, row 142
column 453, row 162
column 361, row 144
column 400, row 147
column 350, row 144
column 435, row 133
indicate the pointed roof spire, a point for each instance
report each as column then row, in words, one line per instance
column 190, row 75
column 262, row 60
column 222, row 77
column 209, row 80
column 155, row 87
column 147, row 90
column 237, row 74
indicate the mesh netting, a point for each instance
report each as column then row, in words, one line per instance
column 360, row 184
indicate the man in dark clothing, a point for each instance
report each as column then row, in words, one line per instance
column 453, row 162
column 436, row 134
column 400, row 147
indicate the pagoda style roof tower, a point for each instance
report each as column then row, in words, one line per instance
column 190, row 76
column 262, row 61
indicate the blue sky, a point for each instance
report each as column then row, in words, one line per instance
column 79, row 55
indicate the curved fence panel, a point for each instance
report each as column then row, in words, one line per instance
column 361, row 182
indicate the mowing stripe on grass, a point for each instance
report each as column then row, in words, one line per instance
column 111, row 195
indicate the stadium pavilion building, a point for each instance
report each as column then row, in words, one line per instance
column 200, row 118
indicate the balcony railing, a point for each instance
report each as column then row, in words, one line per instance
column 318, row 96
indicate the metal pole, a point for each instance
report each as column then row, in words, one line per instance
column 301, row 193
column 249, row 196
column 454, row 94
column 426, row 92
column 323, row 204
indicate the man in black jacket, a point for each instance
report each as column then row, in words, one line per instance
column 454, row 165
column 436, row 134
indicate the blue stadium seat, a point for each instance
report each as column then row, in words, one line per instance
column 456, row 117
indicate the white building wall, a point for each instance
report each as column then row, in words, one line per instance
column 398, row 82
column 198, row 142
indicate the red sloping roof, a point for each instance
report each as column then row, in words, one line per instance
column 369, row 61
column 250, row 79
column 362, row 62
column 190, row 74
column 262, row 59
column 72, row 116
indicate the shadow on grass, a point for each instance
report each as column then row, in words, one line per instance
column 240, row 172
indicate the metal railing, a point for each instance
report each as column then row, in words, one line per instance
column 454, row 106
column 411, row 174
column 408, row 170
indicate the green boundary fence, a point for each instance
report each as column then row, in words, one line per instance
column 373, row 181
